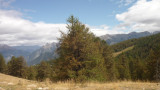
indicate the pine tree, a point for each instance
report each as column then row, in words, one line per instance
column 123, row 67
column 137, row 69
column 10, row 66
column 43, row 71
column 80, row 57
column 31, row 73
column 17, row 67
column 153, row 64
column 109, row 63
column 2, row 64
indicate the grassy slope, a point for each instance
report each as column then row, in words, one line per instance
column 13, row 83
column 123, row 45
column 124, row 50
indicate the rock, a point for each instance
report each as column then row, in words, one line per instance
column 40, row 88
column 10, row 83
column 32, row 85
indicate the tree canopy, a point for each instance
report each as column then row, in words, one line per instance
column 80, row 54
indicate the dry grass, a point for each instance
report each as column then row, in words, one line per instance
column 13, row 83
column 127, row 49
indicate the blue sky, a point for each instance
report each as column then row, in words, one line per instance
column 92, row 12
column 36, row 22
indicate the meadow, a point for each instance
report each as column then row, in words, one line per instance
column 8, row 82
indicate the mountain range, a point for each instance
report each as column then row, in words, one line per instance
column 35, row 54
column 116, row 38
column 46, row 52
column 8, row 52
column 32, row 54
column 29, row 49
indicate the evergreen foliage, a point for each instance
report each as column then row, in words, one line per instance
column 81, row 55
column 153, row 64
column 31, row 73
column 109, row 62
column 143, row 59
column 124, row 44
column 43, row 71
column 123, row 68
column 17, row 67
column 2, row 64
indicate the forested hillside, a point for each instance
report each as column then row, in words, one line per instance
column 142, row 62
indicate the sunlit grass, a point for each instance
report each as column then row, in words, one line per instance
column 13, row 83
column 127, row 49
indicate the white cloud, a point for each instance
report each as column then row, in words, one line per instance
column 102, row 30
column 14, row 30
column 142, row 16
column 126, row 2
column 122, row 3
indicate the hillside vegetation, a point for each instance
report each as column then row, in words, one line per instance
column 123, row 45
column 123, row 51
column 142, row 62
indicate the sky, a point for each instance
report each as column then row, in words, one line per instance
column 37, row 22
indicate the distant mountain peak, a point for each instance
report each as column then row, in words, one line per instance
column 46, row 52
column 49, row 45
column 133, row 33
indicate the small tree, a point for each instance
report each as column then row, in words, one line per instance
column 44, row 71
column 2, row 64
column 11, row 66
column 109, row 62
column 31, row 73
column 17, row 67
column 153, row 64
column 123, row 67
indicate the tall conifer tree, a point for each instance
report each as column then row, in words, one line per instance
column 80, row 57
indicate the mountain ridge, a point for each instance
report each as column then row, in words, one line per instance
column 116, row 38
column 8, row 52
